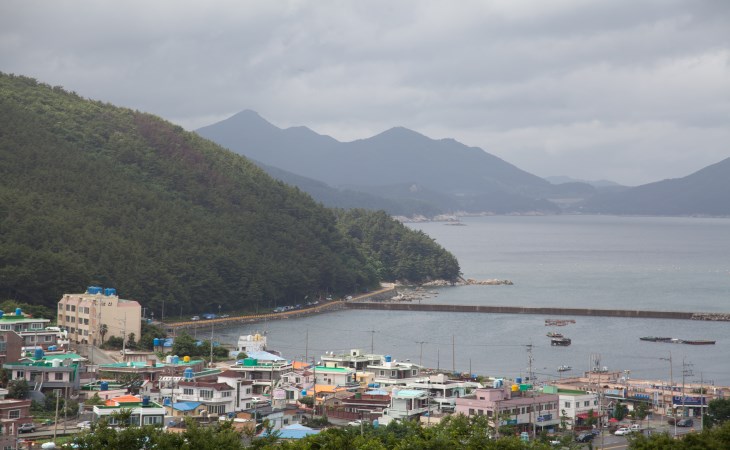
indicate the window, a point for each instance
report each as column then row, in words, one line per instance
column 226, row 393
column 188, row 391
column 36, row 326
column 58, row 376
column 14, row 414
column 48, row 338
column 68, row 307
column 86, row 321
column 392, row 373
column 60, row 317
column 19, row 374
column 60, row 306
column 382, row 373
column 567, row 404
column 73, row 308
column 587, row 403
column 471, row 411
column 206, row 393
column 151, row 420
column 414, row 372
column 217, row 409
column 480, row 412
column 248, row 390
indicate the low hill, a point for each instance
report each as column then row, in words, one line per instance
column 92, row 194
column 703, row 193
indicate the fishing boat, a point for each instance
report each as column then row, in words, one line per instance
column 558, row 322
column 698, row 342
column 564, row 368
column 655, row 339
column 554, row 334
column 677, row 341
column 561, row 342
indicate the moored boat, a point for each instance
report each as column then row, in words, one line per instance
column 562, row 342
column 564, row 368
column 553, row 334
column 698, row 342
column 655, row 339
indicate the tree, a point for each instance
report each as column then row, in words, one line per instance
column 619, row 411
column 18, row 389
column 184, row 345
column 718, row 411
column 103, row 330
column 307, row 401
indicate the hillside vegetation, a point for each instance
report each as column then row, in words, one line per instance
column 92, row 194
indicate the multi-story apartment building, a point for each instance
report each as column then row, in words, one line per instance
column 218, row 398
column 444, row 391
column 264, row 369
column 99, row 312
column 13, row 413
column 11, row 345
column 395, row 373
column 59, row 372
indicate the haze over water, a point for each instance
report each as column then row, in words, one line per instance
column 670, row 264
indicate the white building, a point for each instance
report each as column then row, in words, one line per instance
column 356, row 359
column 144, row 411
column 405, row 404
column 251, row 343
column 444, row 391
column 395, row 373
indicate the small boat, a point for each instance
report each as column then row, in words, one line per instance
column 564, row 368
column 698, row 342
column 558, row 322
column 553, row 334
column 655, row 339
column 562, row 342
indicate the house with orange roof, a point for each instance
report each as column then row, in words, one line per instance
column 144, row 411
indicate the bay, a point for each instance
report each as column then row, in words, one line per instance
column 647, row 263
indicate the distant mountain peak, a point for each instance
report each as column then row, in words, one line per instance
column 400, row 133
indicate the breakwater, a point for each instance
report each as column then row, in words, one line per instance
column 550, row 311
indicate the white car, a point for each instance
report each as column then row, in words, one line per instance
column 85, row 425
column 355, row 423
column 622, row 431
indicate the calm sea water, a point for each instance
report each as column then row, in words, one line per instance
column 672, row 264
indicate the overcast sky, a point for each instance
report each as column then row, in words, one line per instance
column 627, row 90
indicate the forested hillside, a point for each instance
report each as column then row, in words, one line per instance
column 397, row 252
column 92, row 194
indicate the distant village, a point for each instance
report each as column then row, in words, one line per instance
column 259, row 385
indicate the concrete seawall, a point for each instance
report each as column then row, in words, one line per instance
column 637, row 314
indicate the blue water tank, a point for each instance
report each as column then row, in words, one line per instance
column 376, row 424
column 93, row 290
column 387, row 358
column 518, row 380
column 52, row 348
column 103, row 386
column 18, row 312
column 175, row 359
column 38, row 353
column 2, row 312
column 145, row 401
column 304, row 393
column 166, row 401
column 110, row 291
column 188, row 373
column 156, row 342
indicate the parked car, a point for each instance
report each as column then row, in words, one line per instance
column 685, row 423
column 26, row 428
column 635, row 427
column 195, row 318
column 355, row 423
column 584, row 437
column 85, row 425
column 622, row 431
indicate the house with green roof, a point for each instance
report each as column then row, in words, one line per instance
column 49, row 372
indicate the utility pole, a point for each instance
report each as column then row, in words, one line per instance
column 372, row 342
column 314, row 387
column 55, row 422
column 453, row 354
column 420, row 360
column 212, row 325
column 671, row 383
column 686, row 372
column 702, row 403
column 306, row 346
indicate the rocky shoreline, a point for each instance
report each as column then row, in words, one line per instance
column 409, row 293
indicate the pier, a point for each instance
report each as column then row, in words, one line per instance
column 549, row 311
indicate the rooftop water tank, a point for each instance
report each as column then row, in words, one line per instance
column 518, row 380
column 168, row 359
column 38, row 354
column 387, row 358
column 56, row 363
column 103, row 386
column 166, row 401
column 186, row 359
column 52, row 348
column 175, row 359
column 304, row 393
column 18, row 312
column 146, row 400
column 156, row 342
column 188, row 373
column 515, row 387
column 376, row 424
column 2, row 313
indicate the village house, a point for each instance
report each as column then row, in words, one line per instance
column 144, row 411
column 356, row 359
column 444, row 391
column 264, row 369
column 368, row 405
column 13, row 413
column 406, row 404
column 97, row 314
column 517, row 405
column 395, row 373
column 56, row 372
column 11, row 347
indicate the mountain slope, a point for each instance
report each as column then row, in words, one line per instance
column 475, row 180
column 704, row 192
column 94, row 194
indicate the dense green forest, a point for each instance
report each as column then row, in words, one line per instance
column 92, row 194
column 396, row 251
